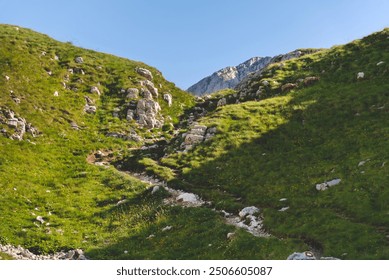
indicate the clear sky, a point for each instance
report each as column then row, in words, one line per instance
column 190, row 39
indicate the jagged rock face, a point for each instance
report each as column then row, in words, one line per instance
column 148, row 113
column 230, row 77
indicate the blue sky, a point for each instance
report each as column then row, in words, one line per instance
column 190, row 39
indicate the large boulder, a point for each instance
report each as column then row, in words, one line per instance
column 79, row 59
column 144, row 72
column 148, row 113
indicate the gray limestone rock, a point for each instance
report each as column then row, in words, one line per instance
column 79, row 59
column 168, row 98
column 132, row 93
column 144, row 72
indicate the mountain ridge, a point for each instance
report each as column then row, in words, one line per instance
column 231, row 76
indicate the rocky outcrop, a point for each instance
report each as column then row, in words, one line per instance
column 249, row 219
column 20, row 253
column 14, row 126
column 196, row 135
column 145, row 73
column 230, row 77
column 308, row 255
column 132, row 93
column 150, row 86
column 147, row 111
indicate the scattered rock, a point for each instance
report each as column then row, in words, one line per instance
column 120, row 202
column 361, row 163
column 116, row 112
column 310, row 80
column 167, row 228
column 283, row 199
column 265, row 83
column 284, row 209
column 40, row 219
column 221, row 102
column 230, row 235
column 189, row 199
column 168, row 98
column 95, row 89
column 251, row 210
column 248, row 221
column 90, row 109
column 288, row 87
column 88, row 100
column 74, row 125
column 324, row 186
column 155, row 189
column 308, row 255
column 79, row 59
column 144, row 72
column 360, row 75
column 7, row 78
column 56, row 93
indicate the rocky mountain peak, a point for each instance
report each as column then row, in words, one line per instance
column 231, row 76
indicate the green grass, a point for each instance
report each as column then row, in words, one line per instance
column 4, row 256
column 283, row 145
column 278, row 147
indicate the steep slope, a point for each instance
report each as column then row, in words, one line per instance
column 311, row 152
column 59, row 105
column 230, row 77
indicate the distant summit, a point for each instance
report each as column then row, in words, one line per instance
column 231, row 76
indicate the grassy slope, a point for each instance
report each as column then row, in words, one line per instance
column 52, row 175
column 261, row 153
column 77, row 200
column 283, row 145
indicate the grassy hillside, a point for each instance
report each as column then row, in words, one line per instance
column 279, row 146
column 271, row 153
